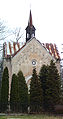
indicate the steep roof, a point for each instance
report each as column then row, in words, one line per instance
column 52, row 49
column 11, row 49
column 30, row 20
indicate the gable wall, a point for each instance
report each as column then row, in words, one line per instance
column 32, row 51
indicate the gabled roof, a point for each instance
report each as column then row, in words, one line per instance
column 11, row 49
column 52, row 49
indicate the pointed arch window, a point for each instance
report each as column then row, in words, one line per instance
column 32, row 35
column 28, row 35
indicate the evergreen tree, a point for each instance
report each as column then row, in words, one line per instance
column 0, row 95
column 35, row 93
column 50, row 82
column 53, row 86
column 14, row 94
column 5, row 90
column 23, row 93
column 43, row 74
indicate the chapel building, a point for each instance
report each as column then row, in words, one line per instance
column 31, row 54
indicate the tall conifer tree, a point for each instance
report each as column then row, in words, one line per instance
column 5, row 90
column 35, row 93
column 43, row 75
column 53, row 86
column 50, row 82
column 23, row 92
column 14, row 94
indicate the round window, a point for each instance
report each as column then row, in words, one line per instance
column 34, row 62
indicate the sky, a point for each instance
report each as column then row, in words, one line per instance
column 47, row 18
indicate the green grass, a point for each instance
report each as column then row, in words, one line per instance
column 31, row 117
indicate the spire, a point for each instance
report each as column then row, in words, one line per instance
column 30, row 29
column 30, row 19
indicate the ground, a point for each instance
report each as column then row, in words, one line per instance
column 31, row 117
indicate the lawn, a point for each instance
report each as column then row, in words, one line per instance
column 31, row 117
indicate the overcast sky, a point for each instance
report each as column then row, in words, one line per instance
column 47, row 17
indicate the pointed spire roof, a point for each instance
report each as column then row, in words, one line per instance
column 30, row 20
column 30, row 29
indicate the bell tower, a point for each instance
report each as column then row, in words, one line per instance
column 30, row 29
